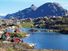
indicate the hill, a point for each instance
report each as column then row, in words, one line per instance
column 47, row 9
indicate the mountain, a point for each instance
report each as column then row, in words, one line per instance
column 51, row 9
column 47, row 9
column 2, row 17
column 28, row 12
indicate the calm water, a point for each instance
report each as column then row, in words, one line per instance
column 47, row 40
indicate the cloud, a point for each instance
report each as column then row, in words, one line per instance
column 3, row 14
column 65, row 4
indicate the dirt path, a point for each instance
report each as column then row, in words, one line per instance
column 3, row 49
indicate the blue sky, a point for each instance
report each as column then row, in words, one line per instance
column 12, row 6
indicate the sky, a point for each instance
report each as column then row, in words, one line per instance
column 12, row 6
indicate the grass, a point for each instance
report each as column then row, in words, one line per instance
column 17, row 47
column 10, row 49
column 20, row 34
column 27, row 25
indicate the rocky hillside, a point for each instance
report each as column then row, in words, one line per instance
column 47, row 9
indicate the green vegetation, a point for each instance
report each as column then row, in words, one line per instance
column 10, row 49
column 14, row 47
column 27, row 25
column 51, row 23
column 20, row 34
